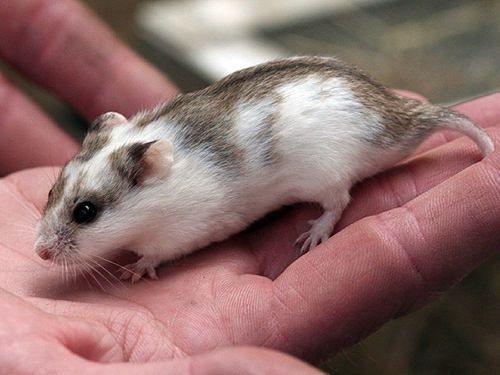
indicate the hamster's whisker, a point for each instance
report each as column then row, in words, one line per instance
column 65, row 271
column 84, row 275
column 120, row 267
column 110, row 262
column 70, row 273
column 95, row 266
column 30, row 208
column 28, row 229
column 52, row 176
column 262, row 137
column 20, row 216
column 105, row 273
column 89, row 270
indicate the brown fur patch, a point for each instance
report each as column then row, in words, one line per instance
column 56, row 193
column 126, row 162
column 205, row 118
column 203, row 121
column 94, row 142
column 401, row 117
column 268, row 139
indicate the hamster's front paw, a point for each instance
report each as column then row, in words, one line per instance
column 135, row 271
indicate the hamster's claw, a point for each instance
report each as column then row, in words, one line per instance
column 306, row 240
column 135, row 271
column 320, row 231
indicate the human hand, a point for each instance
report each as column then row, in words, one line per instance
column 409, row 234
column 424, row 235
column 33, row 341
column 60, row 45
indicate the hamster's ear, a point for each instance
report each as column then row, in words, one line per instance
column 153, row 160
column 107, row 120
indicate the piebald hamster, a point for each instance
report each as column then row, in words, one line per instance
column 205, row 165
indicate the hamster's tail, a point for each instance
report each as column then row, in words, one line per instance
column 444, row 118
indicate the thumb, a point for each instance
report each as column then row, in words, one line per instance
column 249, row 360
column 226, row 361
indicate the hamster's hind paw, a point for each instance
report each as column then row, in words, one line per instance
column 320, row 231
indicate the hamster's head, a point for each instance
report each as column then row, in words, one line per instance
column 94, row 207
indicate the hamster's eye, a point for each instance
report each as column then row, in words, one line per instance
column 85, row 213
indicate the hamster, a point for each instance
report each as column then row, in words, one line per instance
column 205, row 165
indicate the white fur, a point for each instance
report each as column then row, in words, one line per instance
column 319, row 156
column 319, row 145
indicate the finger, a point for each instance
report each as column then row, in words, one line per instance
column 62, row 346
column 412, row 95
column 61, row 45
column 27, row 137
column 33, row 341
column 390, row 189
column 230, row 361
column 484, row 110
column 387, row 265
column 404, row 182
column 248, row 360
column 226, row 361
column 410, row 179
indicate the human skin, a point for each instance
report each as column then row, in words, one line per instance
column 409, row 234
column 62, row 46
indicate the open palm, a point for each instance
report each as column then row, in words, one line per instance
column 252, row 289
column 409, row 234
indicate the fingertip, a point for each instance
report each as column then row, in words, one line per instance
column 65, row 47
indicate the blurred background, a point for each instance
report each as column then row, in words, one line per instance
column 448, row 51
